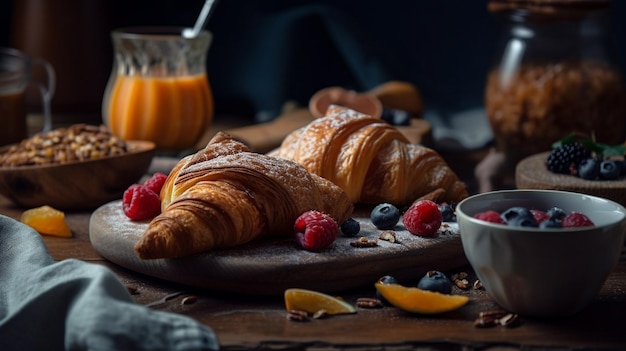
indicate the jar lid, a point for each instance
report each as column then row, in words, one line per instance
column 557, row 8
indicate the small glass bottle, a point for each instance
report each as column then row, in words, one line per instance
column 158, row 89
column 556, row 73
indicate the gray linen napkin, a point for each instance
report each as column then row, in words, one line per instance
column 75, row 305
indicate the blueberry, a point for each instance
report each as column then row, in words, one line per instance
column 396, row 117
column 589, row 168
column 523, row 221
column 556, row 213
column 435, row 281
column 609, row 170
column 448, row 213
column 385, row 280
column 385, row 216
column 388, row 279
column 550, row 223
column 350, row 227
column 515, row 212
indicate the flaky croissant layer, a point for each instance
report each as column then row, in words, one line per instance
column 224, row 196
column 371, row 160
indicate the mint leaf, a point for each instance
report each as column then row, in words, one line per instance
column 601, row 150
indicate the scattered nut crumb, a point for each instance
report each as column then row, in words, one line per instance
column 461, row 283
column 460, row 275
column 368, row 302
column 488, row 319
column 188, row 300
column 298, row 316
column 133, row 289
column 320, row 314
column 388, row 235
column 364, row 242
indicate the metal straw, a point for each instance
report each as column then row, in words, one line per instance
column 202, row 20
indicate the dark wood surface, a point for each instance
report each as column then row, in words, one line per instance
column 247, row 321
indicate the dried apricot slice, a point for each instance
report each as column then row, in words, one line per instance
column 46, row 220
column 420, row 301
column 313, row 301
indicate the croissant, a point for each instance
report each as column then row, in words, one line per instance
column 371, row 160
column 224, row 196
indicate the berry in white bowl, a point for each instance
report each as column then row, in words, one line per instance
column 542, row 272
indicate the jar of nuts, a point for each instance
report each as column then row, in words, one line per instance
column 555, row 74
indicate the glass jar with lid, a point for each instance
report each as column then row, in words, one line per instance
column 556, row 73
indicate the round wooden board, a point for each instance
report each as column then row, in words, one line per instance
column 531, row 173
column 269, row 266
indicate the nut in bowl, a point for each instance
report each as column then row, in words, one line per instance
column 538, row 272
column 63, row 174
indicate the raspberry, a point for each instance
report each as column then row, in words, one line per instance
column 423, row 218
column 540, row 216
column 576, row 219
column 315, row 230
column 155, row 183
column 490, row 216
column 565, row 159
column 139, row 203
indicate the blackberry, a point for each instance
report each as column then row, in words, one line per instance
column 561, row 159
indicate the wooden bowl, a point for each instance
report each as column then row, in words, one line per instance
column 532, row 173
column 80, row 185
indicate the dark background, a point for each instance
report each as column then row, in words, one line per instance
column 267, row 52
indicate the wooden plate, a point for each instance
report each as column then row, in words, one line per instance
column 268, row 267
column 531, row 173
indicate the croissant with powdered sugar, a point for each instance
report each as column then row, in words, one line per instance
column 225, row 195
column 371, row 160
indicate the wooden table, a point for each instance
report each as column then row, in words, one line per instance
column 243, row 321
column 260, row 323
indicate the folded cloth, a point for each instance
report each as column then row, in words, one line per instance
column 75, row 305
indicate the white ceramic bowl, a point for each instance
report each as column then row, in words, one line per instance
column 542, row 272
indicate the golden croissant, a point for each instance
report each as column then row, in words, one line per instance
column 224, row 196
column 371, row 160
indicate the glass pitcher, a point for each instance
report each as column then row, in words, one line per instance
column 158, row 89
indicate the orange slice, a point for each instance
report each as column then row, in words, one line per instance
column 418, row 300
column 46, row 220
column 312, row 301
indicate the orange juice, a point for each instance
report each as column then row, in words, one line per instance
column 171, row 111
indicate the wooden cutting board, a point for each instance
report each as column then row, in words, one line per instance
column 269, row 266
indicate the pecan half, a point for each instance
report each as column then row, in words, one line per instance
column 364, row 242
column 368, row 302
column 297, row 315
column 388, row 235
